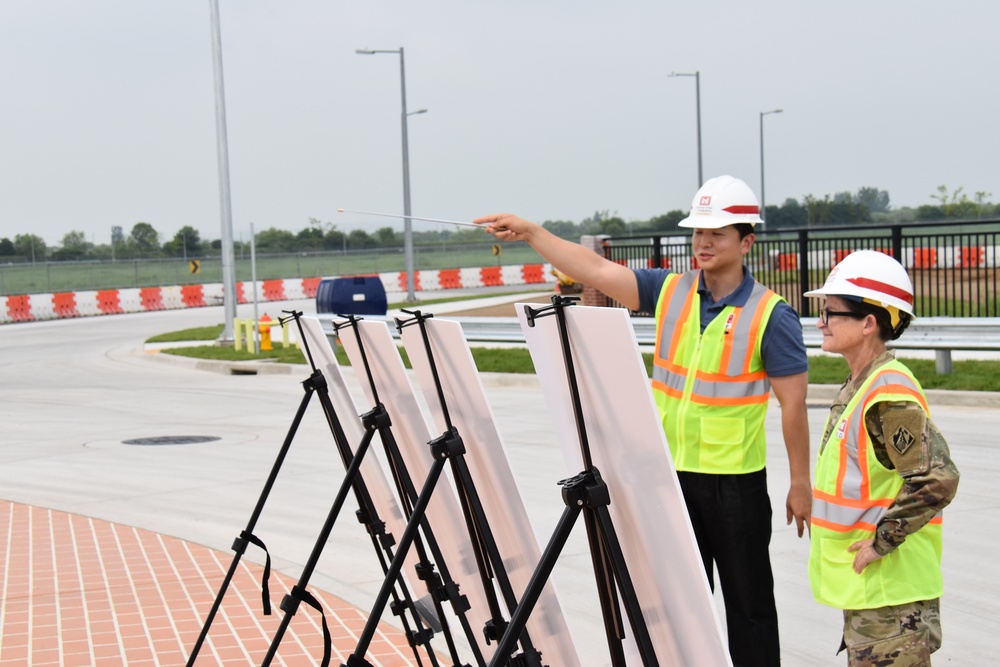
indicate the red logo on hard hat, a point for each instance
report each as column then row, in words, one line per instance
column 736, row 210
column 705, row 201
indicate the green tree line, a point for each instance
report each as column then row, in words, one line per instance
column 867, row 205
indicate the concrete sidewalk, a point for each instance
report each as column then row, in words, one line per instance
column 74, row 391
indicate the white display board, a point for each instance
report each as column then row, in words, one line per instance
column 629, row 448
column 489, row 467
column 379, row 488
column 412, row 433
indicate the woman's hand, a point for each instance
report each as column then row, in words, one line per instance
column 865, row 554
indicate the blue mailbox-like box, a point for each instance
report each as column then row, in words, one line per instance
column 356, row 295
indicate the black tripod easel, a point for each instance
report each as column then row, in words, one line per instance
column 587, row 494
column 449, row 448
column 441, row 586
column 368, row 515
column 315, row 384
column 247, row 537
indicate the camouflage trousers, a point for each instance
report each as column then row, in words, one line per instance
column 898, row 636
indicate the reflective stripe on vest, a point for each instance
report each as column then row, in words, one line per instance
column 735, row 381
column 853, row 480
column 711, row 388
column 852, row 494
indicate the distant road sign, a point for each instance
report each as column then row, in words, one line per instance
column 195, row 265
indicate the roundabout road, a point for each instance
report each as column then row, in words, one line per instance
column 74, row 390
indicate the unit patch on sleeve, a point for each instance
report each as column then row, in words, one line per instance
column 904, row 428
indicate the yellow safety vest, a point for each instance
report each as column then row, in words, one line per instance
column 711, row 388
column 851, row 495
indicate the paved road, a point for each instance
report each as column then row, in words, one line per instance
column 74, row 390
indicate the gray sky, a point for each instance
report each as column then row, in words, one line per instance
column 549, row 109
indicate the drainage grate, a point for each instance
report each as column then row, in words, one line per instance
column 172, row 440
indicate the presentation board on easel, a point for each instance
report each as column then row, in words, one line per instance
column 371, row 472
column 471, row 414
column 412, row 433
column 629, row 448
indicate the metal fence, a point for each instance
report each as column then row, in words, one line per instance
column 953, row 266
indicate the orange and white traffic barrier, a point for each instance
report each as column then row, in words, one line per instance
column 62, row 305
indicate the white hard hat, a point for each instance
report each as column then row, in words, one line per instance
column 872, row 276
column 723, row 201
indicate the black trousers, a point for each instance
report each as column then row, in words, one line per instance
column 731, row 515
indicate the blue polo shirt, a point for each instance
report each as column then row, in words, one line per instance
column 782, row 349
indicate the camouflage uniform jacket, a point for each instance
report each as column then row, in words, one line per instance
column 930, row 476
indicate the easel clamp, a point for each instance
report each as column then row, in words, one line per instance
column 315, row 382
column 587, row 489
column 448, row 445
column 417, row 318
column 376, row 418
column 558, row 301
column 493, row 630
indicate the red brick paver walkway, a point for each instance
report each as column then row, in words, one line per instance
column 78, row 591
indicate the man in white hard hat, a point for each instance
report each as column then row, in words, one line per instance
column 724, row 341
column 883, row 475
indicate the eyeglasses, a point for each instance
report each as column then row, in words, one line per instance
column 825, row 314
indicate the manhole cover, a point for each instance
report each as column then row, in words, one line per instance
column 172, row 440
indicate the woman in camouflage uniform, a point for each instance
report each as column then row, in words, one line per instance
column 883, row 475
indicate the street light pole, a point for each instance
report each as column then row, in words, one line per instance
column 697, row 97
column 225, row 205
column 407, row 222
column 763, row 207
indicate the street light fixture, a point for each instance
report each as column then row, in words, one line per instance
column 697, row 96
column 407, row 222
column 763, row 208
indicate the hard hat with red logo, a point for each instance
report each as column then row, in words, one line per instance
column 723, row 201
column 873, row 277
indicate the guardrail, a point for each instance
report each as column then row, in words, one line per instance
column 942, row 335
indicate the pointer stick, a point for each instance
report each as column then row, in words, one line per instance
column 413, row 217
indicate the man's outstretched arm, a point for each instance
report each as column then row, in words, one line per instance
column 581, row 264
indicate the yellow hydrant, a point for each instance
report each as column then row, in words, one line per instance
column 264, row 327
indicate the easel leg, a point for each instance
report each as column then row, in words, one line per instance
column 291, row 602
column 405, row 541
column 586, row 493
column 239, row 545
column 440, row 585
column 539, row 578
column 613, row 552
column 377, row 421
column 488, row 554
column 614, row 629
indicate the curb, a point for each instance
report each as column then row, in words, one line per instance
column 262, row 367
